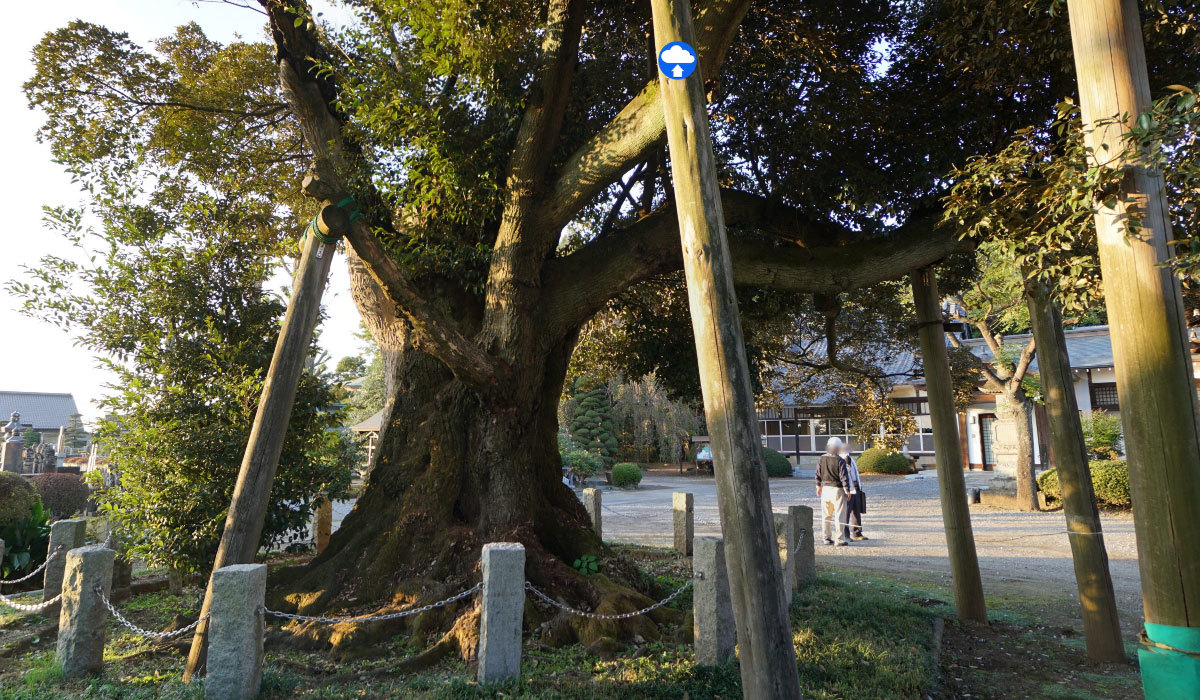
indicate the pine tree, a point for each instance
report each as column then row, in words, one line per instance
column 592, row 425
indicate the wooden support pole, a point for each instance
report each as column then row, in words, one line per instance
column 1155, row 383
column 956, row 515
column 1092, row 577
column 248, row 509
column 768, row 659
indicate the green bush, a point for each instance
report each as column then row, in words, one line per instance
column 878, row 460
column 1102, row 435
column 581, row 462
column 63, row 495
column 17, row 498
column 1110, row 479
column 626, row 474
column 777, row 464
column 25, row 542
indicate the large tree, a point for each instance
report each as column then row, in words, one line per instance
column 472, row 135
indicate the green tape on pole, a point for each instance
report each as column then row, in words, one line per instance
column 355, row 214
column 1170, row 662
column 316, row 231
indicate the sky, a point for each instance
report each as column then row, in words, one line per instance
column 36, row 356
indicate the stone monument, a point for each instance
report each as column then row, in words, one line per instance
column 14, row 446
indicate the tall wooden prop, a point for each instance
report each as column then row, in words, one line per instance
column 251, row 494
column 956, row 516
column 1150, row 348
column 768, row 660
column 1092, row 576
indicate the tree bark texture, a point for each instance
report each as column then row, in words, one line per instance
column 1101, row 627
column 768, row 658
column 956, row 516
column 1151, row 352
column 1017, row 407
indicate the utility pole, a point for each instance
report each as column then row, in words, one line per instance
column 252, row 493
column 1151, row 352
column 956, row 515
column 1101, row 628
column 768, row 659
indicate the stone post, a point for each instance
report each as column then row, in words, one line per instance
column 174, row 581
column 684, row 513
column 712, row 606
column 67, row 534
column 1, row 550
column 501, row 612
column 323, row 523
column 235, row 632
column 801, row 547
column 83, row 617
column 592, row 501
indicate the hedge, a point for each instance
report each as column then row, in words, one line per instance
column 17, row 498
column 63, row 495
column 1110, row 479
column 878, row 460
column 777, row 464
column 626, row 474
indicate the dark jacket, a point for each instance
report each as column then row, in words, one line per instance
column 831, row 471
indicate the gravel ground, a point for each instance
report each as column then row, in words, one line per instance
column 1021, row 555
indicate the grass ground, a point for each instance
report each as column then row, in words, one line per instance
column 857, row 637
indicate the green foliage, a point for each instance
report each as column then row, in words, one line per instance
column 626, row 474
column 581, row 462
column 17, row 498
column 586, row 565
column 1110, row 479
column 31, row 437
column 1102, row 435
column 75, row 437
column 777, row 464
column 591, row 423
column 63, row 495
column 25, row 542
column 879, row 460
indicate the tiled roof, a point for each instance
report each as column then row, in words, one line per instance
column 42, row 411
column 1089, row 347
column 372, row 424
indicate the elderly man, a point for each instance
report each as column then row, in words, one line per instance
column 833, row 485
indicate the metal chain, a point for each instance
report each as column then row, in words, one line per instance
column 598, row 616
column 377, row 618
column 36, row 571
column 138, row 630
column 29, row 608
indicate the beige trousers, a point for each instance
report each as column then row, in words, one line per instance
column 833, row 511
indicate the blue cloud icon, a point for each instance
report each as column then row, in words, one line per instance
column 677, row 60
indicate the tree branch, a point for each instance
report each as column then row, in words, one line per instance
column 637, row 128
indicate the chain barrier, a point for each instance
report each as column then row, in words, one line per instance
column 138, row 630
column 29, row 608
column 598, row 616
column 36, row 571
column 377, row 618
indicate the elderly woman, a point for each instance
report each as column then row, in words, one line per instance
column 855, row 500
column 833, row 483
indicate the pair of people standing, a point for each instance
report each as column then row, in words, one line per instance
column 840, row 490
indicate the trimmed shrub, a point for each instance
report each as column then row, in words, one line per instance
column 1110, row 479
column 777, row 464
column 626, row 474
column 582, row 462
column 63, row 495
column 878, row 460
column 17, row 498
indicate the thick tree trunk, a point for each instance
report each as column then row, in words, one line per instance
column 1092, row 577
column 452, row 473
column 1020, row 410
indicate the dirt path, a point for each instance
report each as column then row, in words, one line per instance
column 1023, row 557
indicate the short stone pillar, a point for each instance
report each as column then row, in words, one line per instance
column 65, row 535
column 174, row 581
column 83, row 617
column 712, row 606
column 683, row 512
column 235, row 632
column 801, row 547
column 323, row 524
column 12, row 454
column 592, row 501
column 501, row 612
